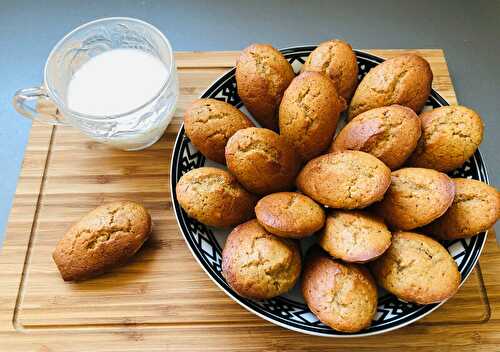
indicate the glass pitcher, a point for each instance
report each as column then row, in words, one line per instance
column 132, row 130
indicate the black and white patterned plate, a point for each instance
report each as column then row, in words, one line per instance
column 289, row 310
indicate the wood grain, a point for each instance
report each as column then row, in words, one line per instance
column 163, row 300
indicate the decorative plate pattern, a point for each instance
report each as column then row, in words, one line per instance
column 289, row 310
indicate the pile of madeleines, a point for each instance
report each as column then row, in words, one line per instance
column 361, row 193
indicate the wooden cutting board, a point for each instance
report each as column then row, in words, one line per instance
column 162, row 300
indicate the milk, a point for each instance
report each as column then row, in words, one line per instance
column 115, row 82
column 120, row 81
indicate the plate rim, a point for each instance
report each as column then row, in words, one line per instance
column 176, row 208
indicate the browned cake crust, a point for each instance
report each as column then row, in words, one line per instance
column 416, row 197
column 259, row 265
column 261, row 160
column 354, row 236
column 346, row 180
column 337, row 60
column 105, row 237
column 290, row 214
column 404, row 80
column 390, row 133
column 262, row 75
column 209, row 123
column 309, row 113
column 450, row 136
column 214, row 197
column 341, row 295
column 475, row 209
column 417, row 269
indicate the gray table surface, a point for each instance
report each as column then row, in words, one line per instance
column 468, row 31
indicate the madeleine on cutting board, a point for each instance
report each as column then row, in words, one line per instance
column 262, row 75
column 336, row 59
column 103, row 238
column 404, row 80
column 390, row 133
column 309, row 113
column 209, row 123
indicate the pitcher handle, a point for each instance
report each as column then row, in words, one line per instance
column 44, row 111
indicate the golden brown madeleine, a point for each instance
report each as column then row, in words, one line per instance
column 416, row 197
column 354, row 236
column 347, row 180
column 341, row 295
column 260, row 265
column 309, row 113
column 390, row 133
column 404, row 80
column 450, row 136
column 209, row 123
column 290, row 214
column 337, row 60
column 261, row 160
column 417, row 269
column 105, row 237
column 214, row 197
column 475, row 209
column 262, row 75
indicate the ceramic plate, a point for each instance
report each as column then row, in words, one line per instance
column 289, row 310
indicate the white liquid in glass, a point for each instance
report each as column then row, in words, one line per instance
column 115, row 82
column 120, row 81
